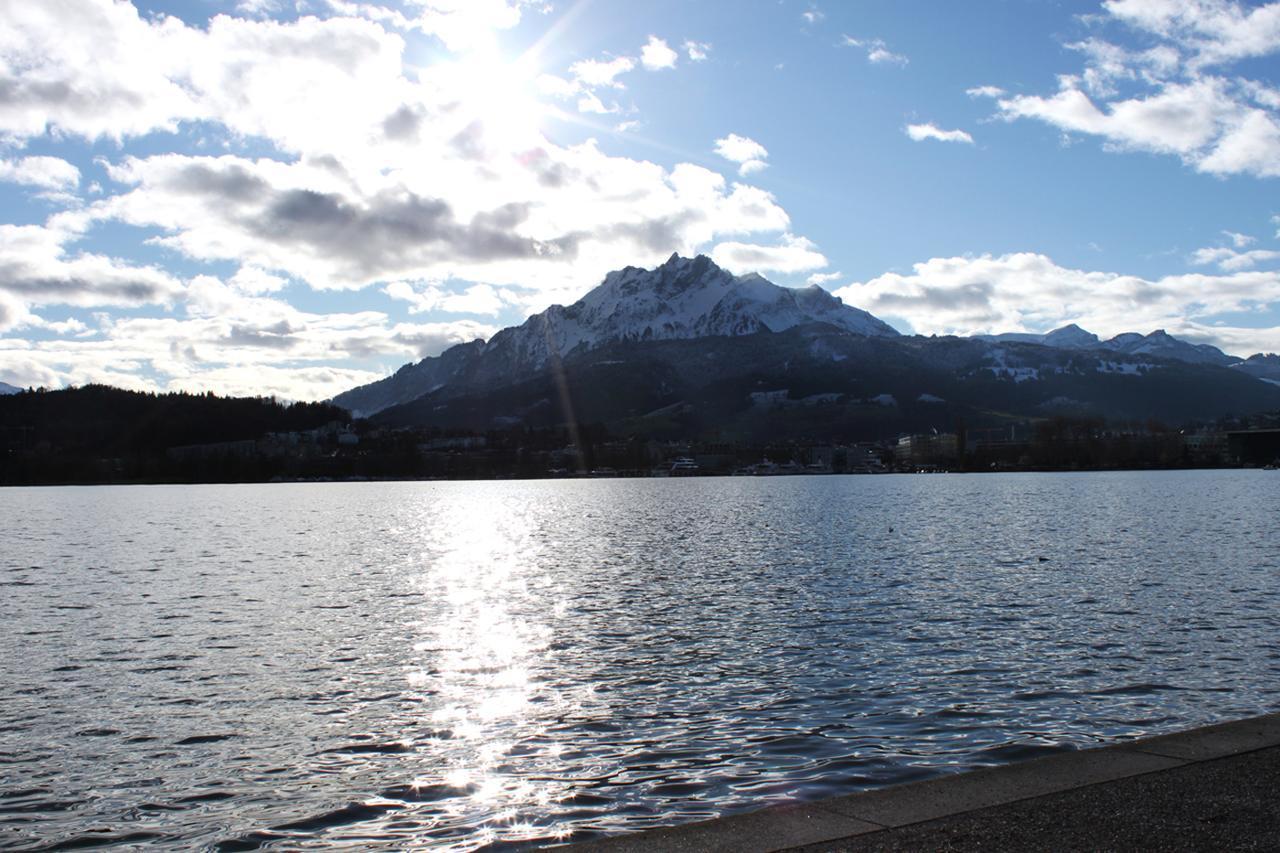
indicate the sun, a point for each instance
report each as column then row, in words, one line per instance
column 499, row 93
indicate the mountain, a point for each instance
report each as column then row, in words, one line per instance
column 6, row 388
column 815, row 382
column 1264, row 367
column 688, row 349
column 1067, row 337
column 410, row 381
column 682, row 299
column 1159, row 344
column 1163, row 345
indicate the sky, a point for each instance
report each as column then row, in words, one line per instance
column 295, row 197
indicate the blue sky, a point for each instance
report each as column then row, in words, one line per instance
column 292, row 198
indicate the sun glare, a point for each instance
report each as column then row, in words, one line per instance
column 499, row 93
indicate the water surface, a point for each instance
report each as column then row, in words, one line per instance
column 471, row 664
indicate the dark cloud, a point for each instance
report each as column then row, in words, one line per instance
column 469, row 142
column 964, row 297
column 83, row 283
column 277, row 336
column 424, row 342
column 394, row 230
column 329, row 163
column 661, row 235
column 365, row 238
column 552, row 174
column 58, row 97
column 229, row 181
column 403, row 124
column 9, row 314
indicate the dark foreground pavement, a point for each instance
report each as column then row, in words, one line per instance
column 1214, row 788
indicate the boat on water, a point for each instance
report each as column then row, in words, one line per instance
column 683, row 466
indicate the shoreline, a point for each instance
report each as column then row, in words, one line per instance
column 1203, row 788
column 578, row 478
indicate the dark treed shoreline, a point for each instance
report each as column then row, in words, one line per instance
column 102, row 435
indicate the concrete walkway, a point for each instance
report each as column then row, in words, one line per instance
column 1213, row 788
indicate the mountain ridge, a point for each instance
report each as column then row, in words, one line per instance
column 693, row 299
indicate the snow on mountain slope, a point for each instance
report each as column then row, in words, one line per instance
column 1068, row 337
column 1261, row 366
column 683, row 298
column 1071, row 336
column 1161, row 343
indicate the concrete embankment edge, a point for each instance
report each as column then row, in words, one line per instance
column 860, row 817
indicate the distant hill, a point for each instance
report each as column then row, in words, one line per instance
column 6, row 388
column 104, row 420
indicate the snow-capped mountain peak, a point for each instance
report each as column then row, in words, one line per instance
column 1071, row 336
column 683, row 298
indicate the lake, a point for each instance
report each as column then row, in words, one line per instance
column 505, row 663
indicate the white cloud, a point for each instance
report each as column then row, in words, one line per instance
column 92, row 69
column 812, row 15
column 36, row 270
column 877, row 51
column 259, row 8
column 230, row 342
column 1029, row 292
column 598, row 72
column 48, row 173
column 1250, row 145
column 1198, row 121
column 881, row 54
column 656, row 55
column 1180, row 119
column 461, row 25
column 467, row 24
column 556, row 87
column 1217, row 31
column 588, row 76
column 920, row 132
column 1174, row 97
column 1240, row 241
column 589, row 102
column 696, row 50
column 985, row 92
column 1231, row 260
column 477, row 299
column 821, row 278
column 792, row 255
column 254, row 281
column 747, row 153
